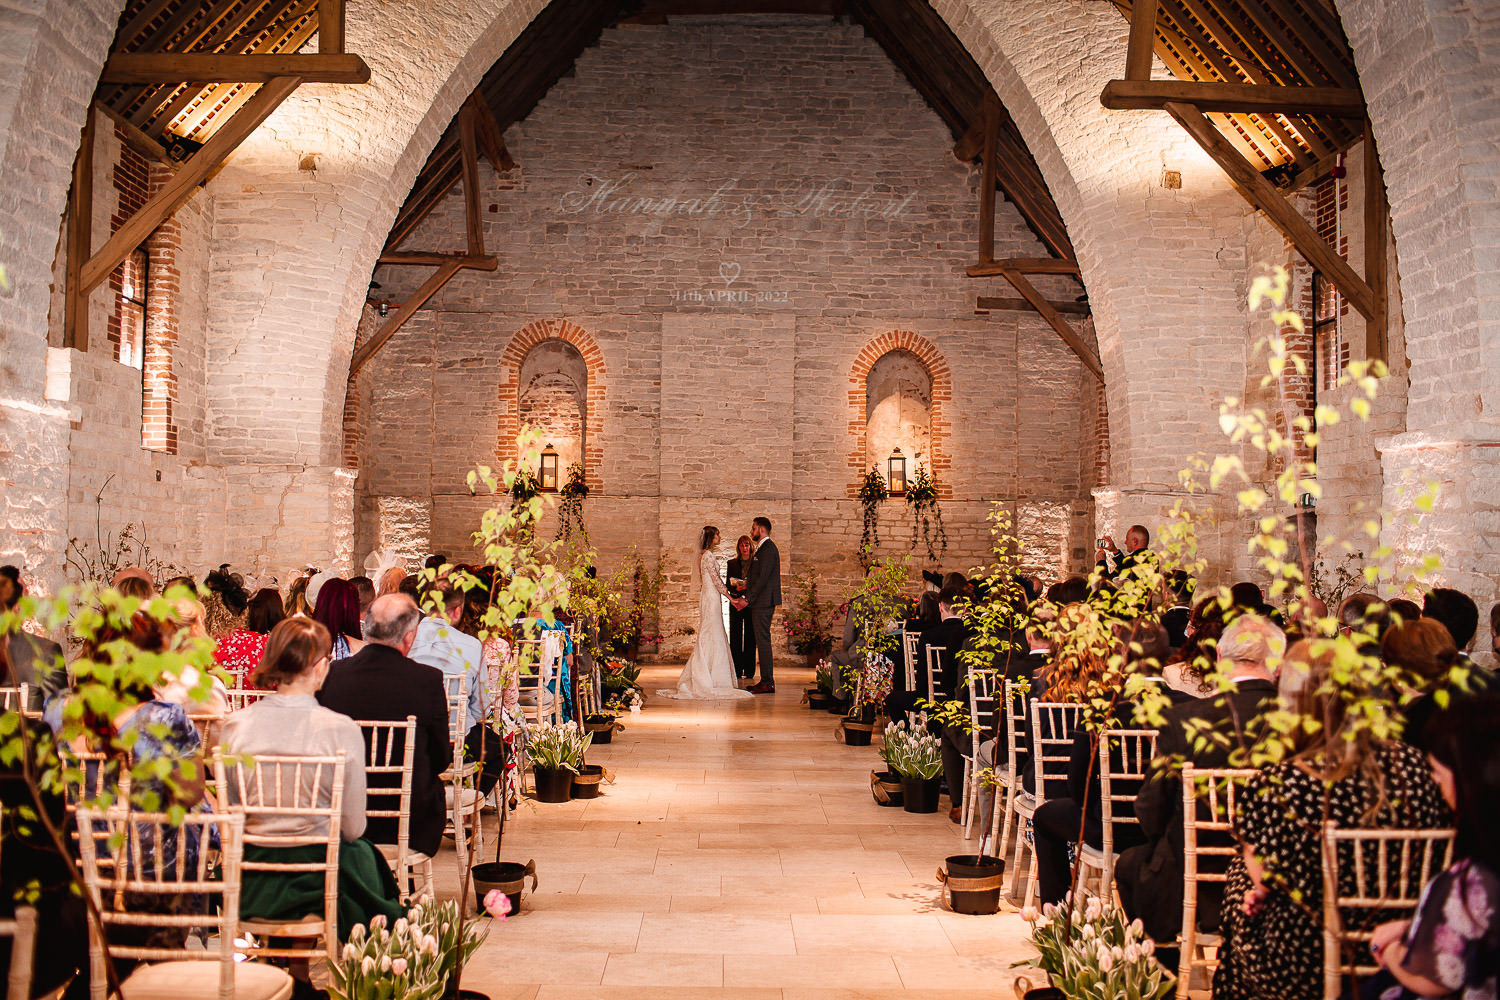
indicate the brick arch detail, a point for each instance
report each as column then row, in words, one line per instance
column 528, row 337
column 939, row 462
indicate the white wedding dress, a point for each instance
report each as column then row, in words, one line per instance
column 709, row 673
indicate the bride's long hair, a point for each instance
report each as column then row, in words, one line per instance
column 706, row 539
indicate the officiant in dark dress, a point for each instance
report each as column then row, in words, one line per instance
column 741, row 640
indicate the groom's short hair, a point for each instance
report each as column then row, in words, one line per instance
column 764, row 522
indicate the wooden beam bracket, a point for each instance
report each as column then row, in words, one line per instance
column 1064, row 330
column 1023, row 265
column 146, row 68
column 1232, row 98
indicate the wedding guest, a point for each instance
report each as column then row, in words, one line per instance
column 380, row 683
column 1073, row 590
column 135, row 585
column 1208, row 732
column 1187, row 669
column 1180, row 586
column 1451, row 948
column 132, row 572
column 366, row 589
column 187, row 583
column 1111, row 563
column 240, row 652
column 337, row 610
column 1405, row 610
column 1027, row 672
column 441, row 643
column 182, row 686
column 291, row 722
column 224, row 602
column 390, row 581
column 1424, row 649
column 30, row 659
column 1366, row 617
column 296, row 596
column 1272, row 915
column 947, row 638
column 315, row 586
column 1457, row 611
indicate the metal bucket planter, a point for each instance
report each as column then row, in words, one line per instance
column 972, row 883
column 507, row 876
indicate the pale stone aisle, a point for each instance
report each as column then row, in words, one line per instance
column 740, row 855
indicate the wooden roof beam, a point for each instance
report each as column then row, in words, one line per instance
column 1263, row 195
column 1142, row 41
column 1233, row 98
column 180, row 188
column 407, row 309
column 1023, row 265
column 1064, row 330
column 200, row 67
column 488, row 134
column 993, row 303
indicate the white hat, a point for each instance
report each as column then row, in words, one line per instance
column 316, row 584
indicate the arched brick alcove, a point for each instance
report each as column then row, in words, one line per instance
column 528, row 337
column 932, row 359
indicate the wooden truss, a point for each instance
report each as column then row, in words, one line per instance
column 1280, row 77
column 276, row 76
column 476, row 129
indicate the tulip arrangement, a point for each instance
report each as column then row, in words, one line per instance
column 412, row 959
column 557, row 747
column 1091, row 952
column 911, row 751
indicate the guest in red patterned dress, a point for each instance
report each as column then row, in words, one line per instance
column 240, row 651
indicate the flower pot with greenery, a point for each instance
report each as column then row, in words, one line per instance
column 1090, row 949
column 556, row 754
column 414, row 958
column 913, row 753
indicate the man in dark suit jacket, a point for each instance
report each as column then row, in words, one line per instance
column 1208, row 732
column 762, row 594
column 380, row 684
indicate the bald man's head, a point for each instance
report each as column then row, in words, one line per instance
column 392, row 621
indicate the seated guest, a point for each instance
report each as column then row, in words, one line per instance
column 1056, row 823
column 365, row 587
column 1074, row 675
column 296, row 595
column 440, row 643
column 132, row 573
column 1424, row 649
column 1186, row 670
column 1366, row 617
column 1458, row 613
column 292, row 723
column 337, row 610
column 1073, row 590
column 1272, row 915
column 1451, row 948
column 240, row 652
column 1404, row 610
column 224, row 602
column 1207, row 732
column 137, row 585
column 390, row 581
column 181, row 687
column 380, row 684
column 948, row 637
column 1180, row 585
column 30, row 659
column 1024, row 671
column 903, row 700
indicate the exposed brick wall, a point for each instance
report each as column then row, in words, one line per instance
column 131, row 179
column 159, row 375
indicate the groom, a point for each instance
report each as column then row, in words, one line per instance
column 762, row 594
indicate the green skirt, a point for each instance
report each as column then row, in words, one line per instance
column 366, row 885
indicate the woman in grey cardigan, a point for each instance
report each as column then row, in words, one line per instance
column 292, row 723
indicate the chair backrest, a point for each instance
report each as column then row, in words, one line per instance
column 1052, row 726
column 269, row 790
column 15, row 699
column 934, row 669
column 1124, row 756
column 21, row 929
column 456, row 690
column 1368, row 874
column 390, row 749
column 982, row 707
column 1210, row 801
column 122, row 890
column 909, row 642
column 239, row 698
column 1017, row 725
column 531, row 681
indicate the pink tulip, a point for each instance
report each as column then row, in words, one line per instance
column 398, row 966
column 497, row 904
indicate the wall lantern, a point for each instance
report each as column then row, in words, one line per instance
column 548, row 472
column 896, row 472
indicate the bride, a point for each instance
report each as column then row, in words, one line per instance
column 709, row 673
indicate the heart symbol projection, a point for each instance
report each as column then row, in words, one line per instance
column 729, row 272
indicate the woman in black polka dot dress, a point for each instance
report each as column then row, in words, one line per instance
column 1273, row 916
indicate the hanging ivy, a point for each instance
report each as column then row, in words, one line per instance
column 525, row 487
column 570, row 509
column 872, row 491
column 926, row 515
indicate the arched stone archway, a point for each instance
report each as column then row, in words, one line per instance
column 527, row 339
column 939, row 461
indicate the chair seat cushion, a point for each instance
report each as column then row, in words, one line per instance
column 199, row 980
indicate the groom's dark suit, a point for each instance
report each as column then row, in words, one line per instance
column 763, row 593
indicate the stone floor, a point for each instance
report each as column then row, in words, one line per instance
column 739, row 855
